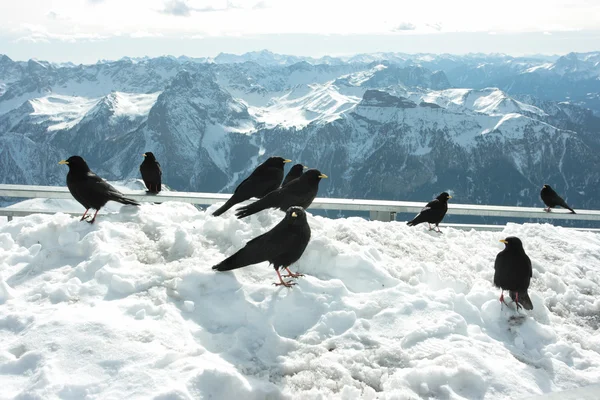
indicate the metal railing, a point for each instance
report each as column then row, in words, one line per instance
column 379, row 210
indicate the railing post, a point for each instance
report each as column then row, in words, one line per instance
column 385, row 216
column 9, row 218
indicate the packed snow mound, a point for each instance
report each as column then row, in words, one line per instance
column 129, row 308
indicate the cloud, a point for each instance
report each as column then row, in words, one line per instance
column 52, row 15
column 437, row 26
column 39, row 34
column 95, row 1
column 181, row 8
column 144, row 34
column 178, row 8
column 405, row 26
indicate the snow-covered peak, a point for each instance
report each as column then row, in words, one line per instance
column 305, row 104
column 491, row 101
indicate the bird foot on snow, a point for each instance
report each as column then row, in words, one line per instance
column 292, row 275
column 284, row 283
column 547, row 209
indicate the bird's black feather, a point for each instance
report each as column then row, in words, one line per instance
column 299, row 192
column 89, row 189
column 262, row 181
column 552, row 199
column 513, row 271
column 281, row 246
column 151, row 173
column 433, row 212
column 294, row 173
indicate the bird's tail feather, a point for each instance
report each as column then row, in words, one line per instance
column 524, row 299
column 415, row 221
column 125, row 200
column 250, row 209
column 233, row 262
column 228, row 204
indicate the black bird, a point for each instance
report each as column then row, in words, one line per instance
column 295, row 172
column 151, row 173
column 300, row 192
column 513, row 272
column 281, row 246
column 262, row 181
column 433, row 212
column 89, row 189
column 552, row 199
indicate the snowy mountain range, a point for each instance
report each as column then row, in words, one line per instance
column 488, row 128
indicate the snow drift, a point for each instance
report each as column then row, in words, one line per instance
column 130, row 308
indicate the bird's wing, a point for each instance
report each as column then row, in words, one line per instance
column 96, row 186
column 265, row 247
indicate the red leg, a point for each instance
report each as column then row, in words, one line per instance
column 429, row 225
column 438, row 228
column 291, row 274
column 93, row 219
column 517, row 300
column 502, row 299
column 282, row 282
column 84, row 214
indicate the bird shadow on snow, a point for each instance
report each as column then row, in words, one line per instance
column 524, row 336
column 236, row 325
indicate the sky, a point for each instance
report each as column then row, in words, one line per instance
column 85, row 31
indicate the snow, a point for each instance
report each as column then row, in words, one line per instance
column 303, row 105
column 130, row 308
column 64, row 112
column 133, row 105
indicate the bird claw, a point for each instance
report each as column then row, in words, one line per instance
column 292, row 275
column 288, row 284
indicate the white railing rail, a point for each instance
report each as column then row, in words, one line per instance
column 381, row 210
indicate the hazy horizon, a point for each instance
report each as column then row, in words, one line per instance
column 85, row 31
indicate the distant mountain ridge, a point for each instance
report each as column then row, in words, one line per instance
column 383, row 126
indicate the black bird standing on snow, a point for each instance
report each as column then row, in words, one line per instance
column 151, row 173
column 262, row 181
column 433, row 212
column 295, row 172
column 300, row 192
column 281, row 246
column 89, row 189
column 513, row 272
column 552, row 199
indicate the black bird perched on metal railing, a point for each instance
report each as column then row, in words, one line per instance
column 89, row 189
column 294, row 173
column 151, row 173
column 513, row 272
column 281, row 246
column 433, row 212
column 552, row 199
column 300, row 192
column 262, row 181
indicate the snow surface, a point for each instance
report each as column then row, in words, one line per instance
column 130, row 308
column 65, row 112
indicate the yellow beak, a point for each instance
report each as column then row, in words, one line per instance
column 449, row 197
column 294, row 214
column 304, row 167
column 144, row 154
column 323, row 176
column 63, row 162
column 287, row 161
column 503, row 241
